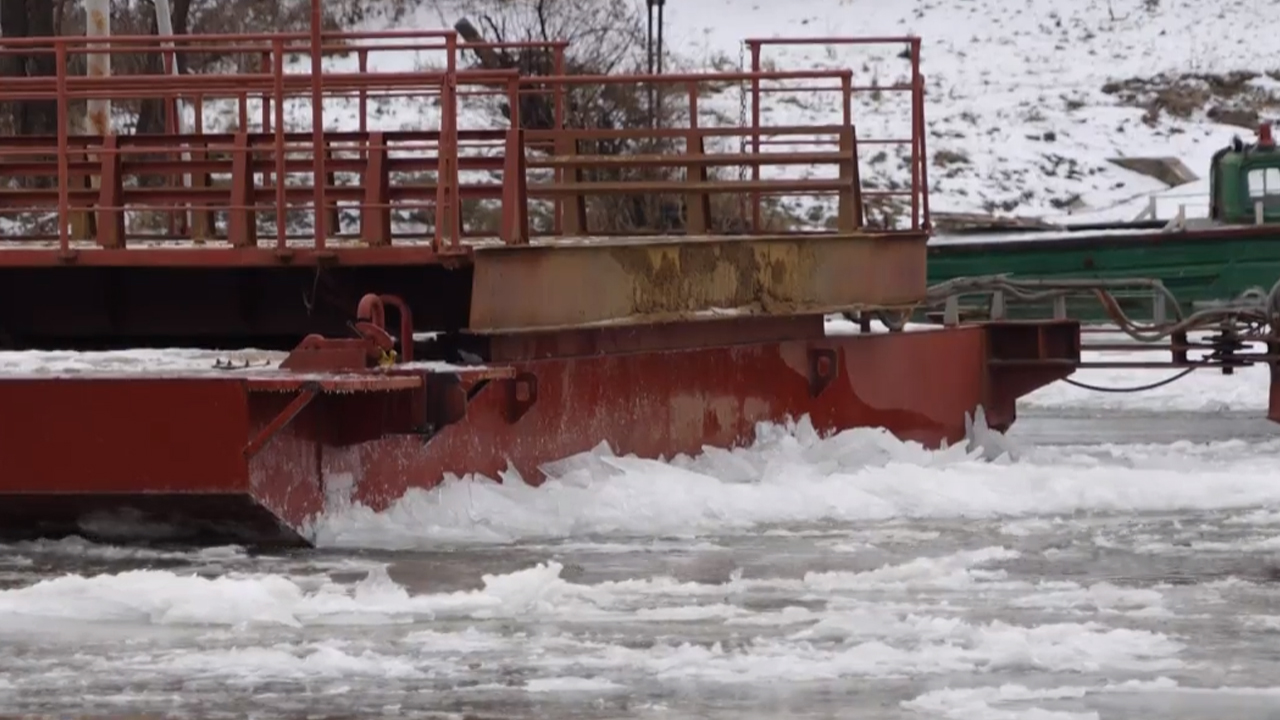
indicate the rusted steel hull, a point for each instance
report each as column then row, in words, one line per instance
column 254, row 459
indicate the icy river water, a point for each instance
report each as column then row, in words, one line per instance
column 1117, row 567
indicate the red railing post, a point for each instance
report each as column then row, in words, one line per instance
column 560, row 111
column 756, row 214
column 282, row 204
column 448, row 208
column 917, row 95
column 64, row 162
column 698, row 220
column 318, row 155
column 917, row 134
column 267, row 62
column 852, row 217
column 363, row 64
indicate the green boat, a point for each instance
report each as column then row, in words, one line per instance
column 1202, row 261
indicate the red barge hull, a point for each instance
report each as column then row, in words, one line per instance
column 685, row 333
column 253, row 458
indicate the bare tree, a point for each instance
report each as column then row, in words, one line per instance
column 30, row 19
column 48, row 18
column 151, row 113
column 605, row 37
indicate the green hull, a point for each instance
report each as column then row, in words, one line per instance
column 1213, row 264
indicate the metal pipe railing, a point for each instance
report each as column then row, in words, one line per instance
column 271, row 157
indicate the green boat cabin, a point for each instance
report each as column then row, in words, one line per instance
column 1244, row 182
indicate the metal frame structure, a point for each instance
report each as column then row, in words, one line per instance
column 235, row 172
column 378, row 208
column 543, row 343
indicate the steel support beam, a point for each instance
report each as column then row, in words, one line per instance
column 563, row 284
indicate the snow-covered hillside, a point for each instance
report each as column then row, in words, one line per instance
column 1020, row 117
column 1027, row 99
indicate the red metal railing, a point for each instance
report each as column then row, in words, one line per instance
column 914, row 87
column 260, row 172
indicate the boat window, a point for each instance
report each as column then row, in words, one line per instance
column 1264, row 183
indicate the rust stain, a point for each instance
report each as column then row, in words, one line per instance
column 687, row 418
column 796, row 358
column 765, row 276
column 672, row 281
column 783, row 272
column 98, row 120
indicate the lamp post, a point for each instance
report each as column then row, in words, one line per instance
column 654, row 51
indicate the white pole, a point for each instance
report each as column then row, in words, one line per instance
column 97, row 118
column 98, row 25
column 164, row 24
